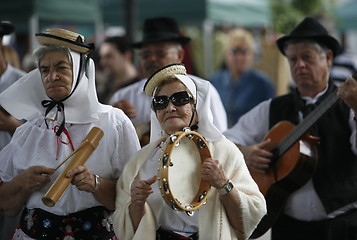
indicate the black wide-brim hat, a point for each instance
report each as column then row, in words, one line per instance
column 310, row 28
column 6, row 28
column 63, row 37
column 161, row 29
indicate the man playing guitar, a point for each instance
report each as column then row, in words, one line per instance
column 317, row 197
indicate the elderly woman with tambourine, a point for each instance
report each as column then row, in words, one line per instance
column 190, row 182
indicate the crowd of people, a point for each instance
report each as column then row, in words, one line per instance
column 48, row 112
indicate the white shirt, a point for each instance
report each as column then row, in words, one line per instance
column 40, row 147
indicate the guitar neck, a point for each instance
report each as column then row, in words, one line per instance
column 307, row 123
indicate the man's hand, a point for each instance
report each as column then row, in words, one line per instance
column 256, row 157
column 347, row 91
column 127, row 108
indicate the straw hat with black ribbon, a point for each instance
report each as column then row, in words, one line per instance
column 176, row 70
column 63, row 37
column 310, row 28
column 27, row 98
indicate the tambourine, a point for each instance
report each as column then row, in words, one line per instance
column 179, row 171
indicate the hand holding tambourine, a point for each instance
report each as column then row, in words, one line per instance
column 213, row 173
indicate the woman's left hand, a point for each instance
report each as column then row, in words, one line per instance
column 83, row 178
column 213, row 173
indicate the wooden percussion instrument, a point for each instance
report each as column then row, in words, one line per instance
column 79, row 157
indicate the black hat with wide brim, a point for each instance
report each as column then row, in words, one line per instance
column 6, row 28
column 159, row 30
column 310, row 28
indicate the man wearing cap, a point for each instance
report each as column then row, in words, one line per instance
column 162, row 44
column 59, row 102
column 8, row 124
column 324, row 205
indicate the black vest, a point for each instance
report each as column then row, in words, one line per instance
column 335, row 178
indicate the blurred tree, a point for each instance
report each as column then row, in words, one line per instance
column 286, row 14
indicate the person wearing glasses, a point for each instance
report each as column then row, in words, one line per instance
column 234, row 205
column 162, row 44
column 239, row 85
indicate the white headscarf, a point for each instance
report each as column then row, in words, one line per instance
column 23, row 98
column 201, row 91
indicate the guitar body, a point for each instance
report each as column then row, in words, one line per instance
column 289, row 172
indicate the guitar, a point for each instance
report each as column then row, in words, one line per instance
column 290, row 167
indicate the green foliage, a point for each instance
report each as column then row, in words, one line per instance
column 286, row 14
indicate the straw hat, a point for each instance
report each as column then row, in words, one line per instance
column 162, row 74
column 310, row 28
column 63, row 37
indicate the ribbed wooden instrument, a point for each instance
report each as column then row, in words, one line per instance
column 79, row 157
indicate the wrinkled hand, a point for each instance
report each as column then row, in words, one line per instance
column 83, row 178
column 212, row 172
column 35, row 177
column 140, row 190
column 127, row 108
column 347, row 91
column 256, row 157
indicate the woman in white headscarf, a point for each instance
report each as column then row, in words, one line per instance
column 234, row 205
column 59, row 103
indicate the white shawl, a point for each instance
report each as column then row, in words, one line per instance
column 213, row 221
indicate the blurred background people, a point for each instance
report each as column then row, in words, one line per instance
column 162, row 44
column 116, row 59
column 8, row 75
column 28, row 62
column 239, row 85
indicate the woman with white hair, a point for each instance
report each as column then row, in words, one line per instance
column 234, row 204
column 59, row 103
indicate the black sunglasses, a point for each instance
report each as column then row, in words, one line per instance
column 177, row 99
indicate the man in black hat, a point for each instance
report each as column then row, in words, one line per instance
column 162, row 44
column 8, row 75
column 315, row 200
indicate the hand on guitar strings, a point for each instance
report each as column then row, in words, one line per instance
column 256, row 156
column 347, row 91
